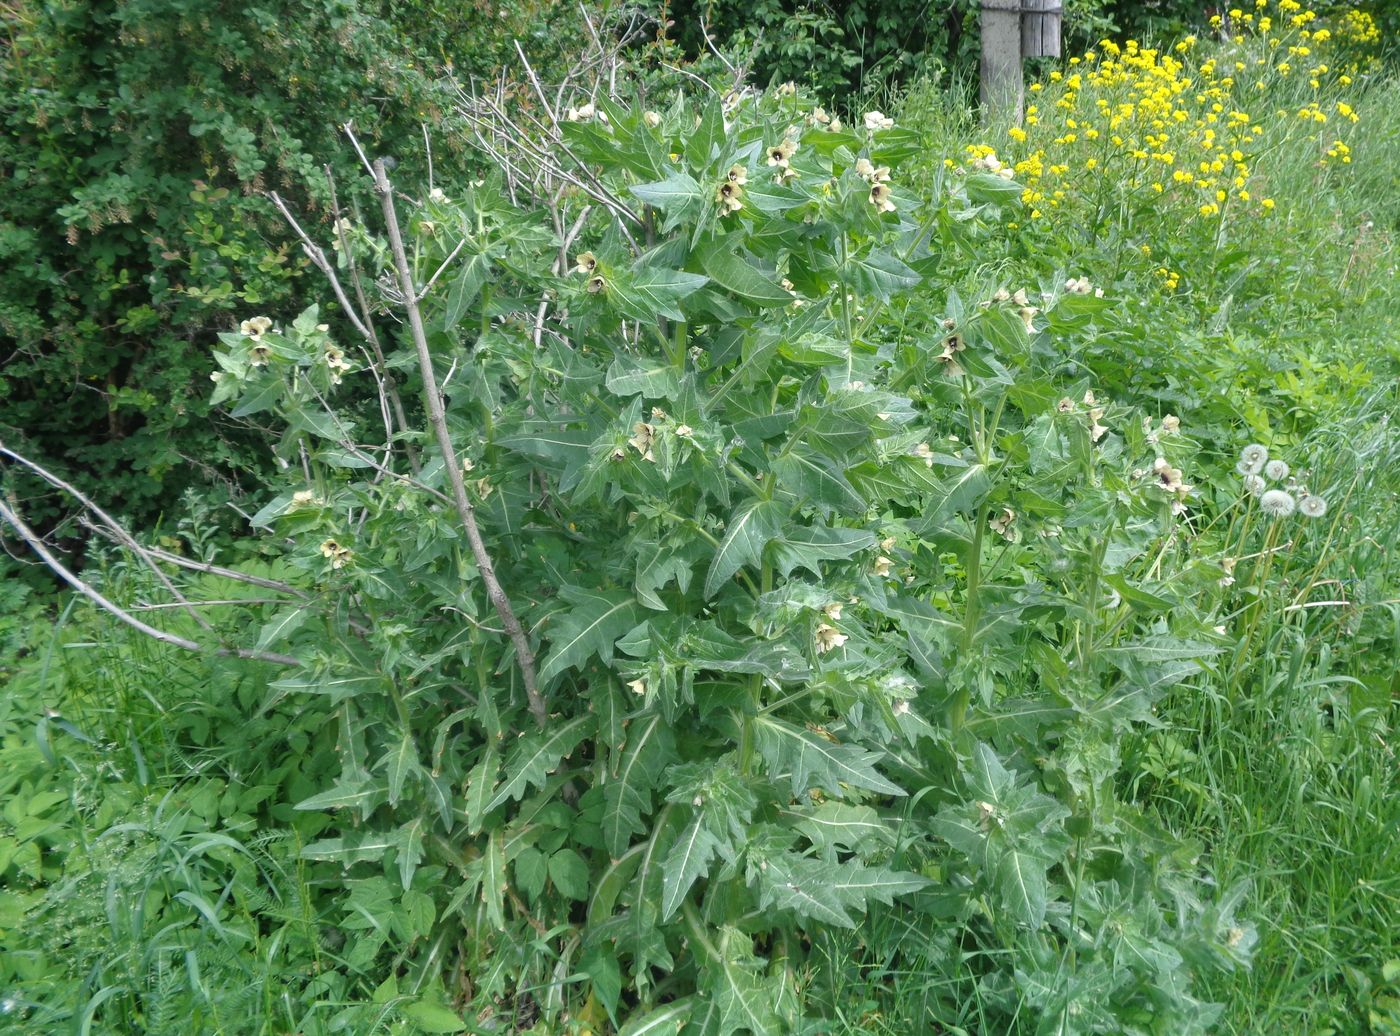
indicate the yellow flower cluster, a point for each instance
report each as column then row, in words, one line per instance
column 1175, row 125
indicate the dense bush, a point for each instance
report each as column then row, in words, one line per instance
column 137, row 139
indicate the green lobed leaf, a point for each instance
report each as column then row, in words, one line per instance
column 811, row 761
column 535, row 756
column 627, row 795
column 753, row 524
column 686, row 863
column 591, row 626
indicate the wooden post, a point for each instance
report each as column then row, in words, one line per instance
column 1040, row 28
column 1003, row 89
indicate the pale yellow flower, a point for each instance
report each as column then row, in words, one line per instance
column 833, row 610
column 782, row 154
column 882, row 566
column 829, row 637
column 644, row 435
column 730, row 197
column 880, row 197
column 585, row 262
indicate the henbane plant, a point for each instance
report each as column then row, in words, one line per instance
column 842, row 598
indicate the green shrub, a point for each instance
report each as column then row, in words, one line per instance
column 137, row 140
column 844, row 594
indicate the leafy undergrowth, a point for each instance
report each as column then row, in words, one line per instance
column 962, row 590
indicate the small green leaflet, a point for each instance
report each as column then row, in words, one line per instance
column 536, row 756
column 591, row 626
column 569, row 873
column 814, row 762
column 686, row 863
column 428, row 1016
column 753, row 525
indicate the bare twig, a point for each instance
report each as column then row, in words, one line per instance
column 118, row 531
column 524, row 656
column 62, row 571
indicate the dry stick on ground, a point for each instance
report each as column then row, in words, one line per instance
column 61, row 570
column 524, row 657
column 116, row 530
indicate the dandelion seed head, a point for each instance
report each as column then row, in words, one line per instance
column 1276, row 470
column 1277, row 504
column 1253, row 458
column 1312, row 506
column 1254, row 485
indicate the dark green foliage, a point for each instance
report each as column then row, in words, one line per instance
column 136, row 139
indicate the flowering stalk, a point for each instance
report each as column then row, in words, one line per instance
column 524, row 656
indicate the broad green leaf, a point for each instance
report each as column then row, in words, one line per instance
column 686, row 863
column 650, row 292
column 815, row 479
column 826, row 891
column 740, row 276
column 989, row 188
column 749, row 999
column 1021, row 881
column 569, row 874
column 664, row 1021
column 535, row 756
column 430, row 1016
column 627, row 795
column 958, row 491
column 411, row 849
column 352, row 848
column 362, row 796
column 531, row 869
column 591, row 626
column 261, row 396
column 480, row 781
column 466, row 286
column 880, row 274
column 628, row 377
column 749, row 530
column 811, row 761
column 281, row 626
column 400, row 762
column 493, row 879
column 806, row 546
column 834, row 826
column 676, row 191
